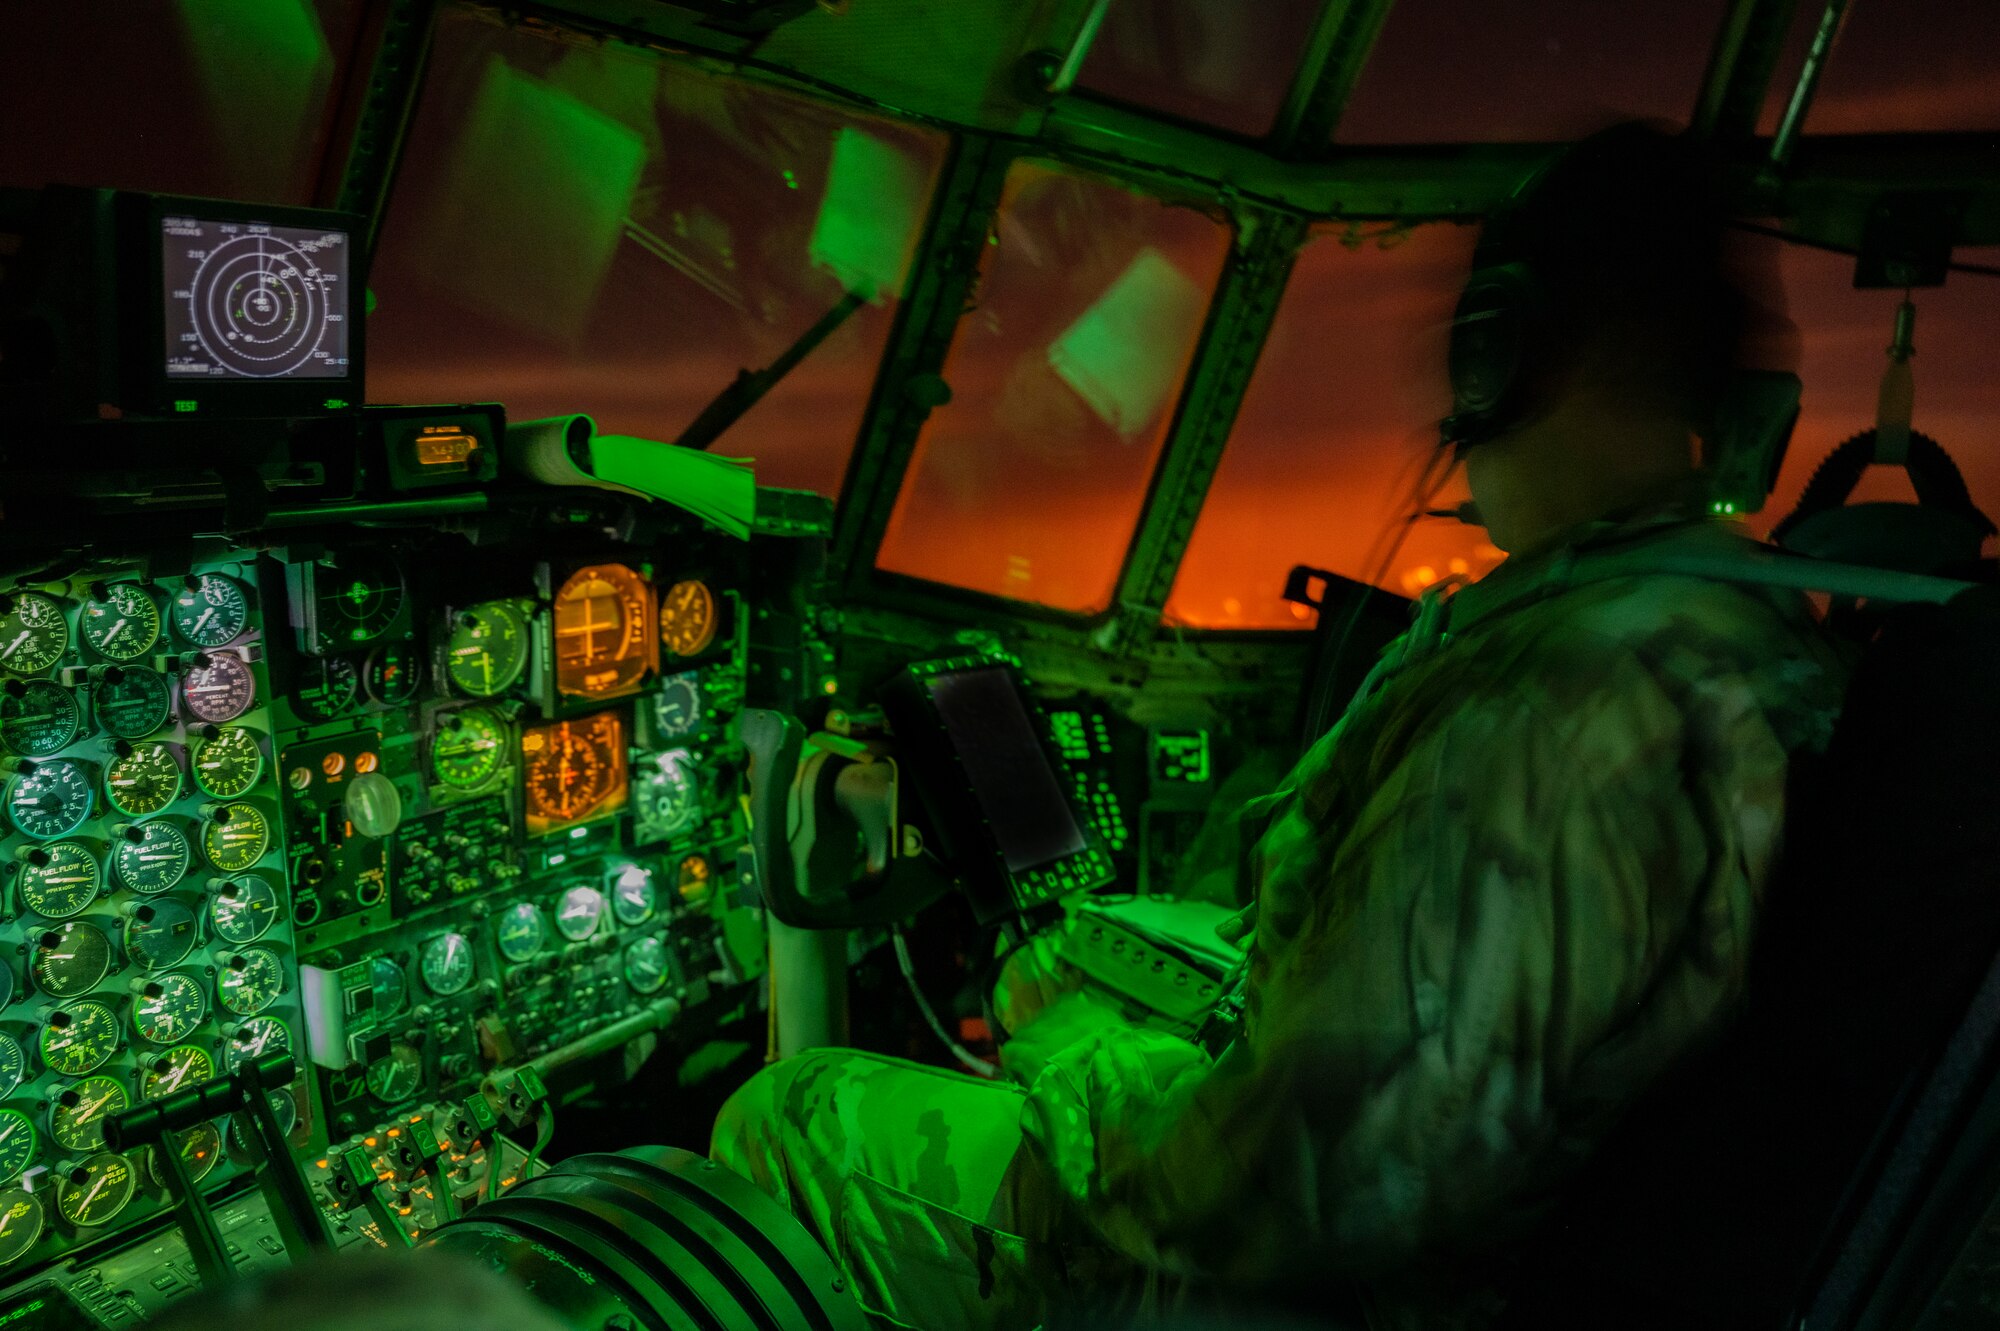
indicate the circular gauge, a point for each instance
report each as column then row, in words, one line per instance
column 121, row 622
column 392, row 674
column 211, row 611
column 355, row 602
column 33, row 633
column 95, row 1191
column 78, row 1038
column 633, row 897
column 171, row 1069
column 446, row 964
column 254, row 1039
column 228, row 763
column 13, row 1065
column 49, row 799
column 392, row 988
column 6, row 997
column 235, row 837
column 243, row 909
column 218, row 688
column 693, row 879
column 59, row 879
column 158, row 933
column 132, row 702
column 168, row 1008
column 18, row 1146
column 328, row 686
column 22, row 1220
column 677, row 707
column 283, row 1108
column 78, row 1111
column 468, row 748
column 38, row 717
column 143, row 781
column 578, row 913
column 646, row 965
column 251, row 981
column 397, row 1077
column 71, row 960
column 603, row 623
column 519, row 931
column 572, row 768
column 150, row 857
column 487, row 649
column 200, row 1147
column 687, row 618
column 666, row 793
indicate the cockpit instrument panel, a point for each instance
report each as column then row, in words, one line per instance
column 603, row 632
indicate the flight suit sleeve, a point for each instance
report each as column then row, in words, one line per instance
column 1515, row 926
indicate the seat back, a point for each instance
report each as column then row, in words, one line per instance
column 1736, row 1190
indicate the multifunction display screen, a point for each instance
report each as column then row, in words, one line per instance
column 1010, row 774
column 242, row 300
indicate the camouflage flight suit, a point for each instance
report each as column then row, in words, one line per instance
column 1518, row 878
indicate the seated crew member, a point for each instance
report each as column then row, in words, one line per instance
column 1508, row 890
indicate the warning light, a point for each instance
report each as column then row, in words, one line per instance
column 187, row 404
column 445, row 448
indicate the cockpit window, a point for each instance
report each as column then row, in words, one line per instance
column 1225, row 63
column 1500, row 70
column 1339, row 421
column 1910, row 65
column 1064, row 378
column 580, row 226
column 219, row 98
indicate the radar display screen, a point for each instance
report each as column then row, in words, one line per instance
column 243, row 300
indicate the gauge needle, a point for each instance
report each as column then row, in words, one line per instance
column 112, row 633
column 83, row 1206
column 14, row 644
column 92, row 1109
column 173, row 1079
column 206, row 615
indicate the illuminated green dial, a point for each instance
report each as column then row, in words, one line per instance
column 212, row 610
column 78, row 1038
column 38, row 717
column 18, row 1146
column 49, row 799
column 121, row 622
column 95, row 1191
column 487, row 649
column 77, row 1114
column 22, row 1220
column 251, row 981
column 519, row 931
column 446, row 964
column 168, row 1008
column 243, row 910
column 646, row 965
column 59, row 879
column 200, row 1147
column 71, row 960
column 235, row 837
column 228, row 763
column 150, row 857
column 132, row 702
column 33, row 633
column 13, row 1065
column 254, row 1039
column 397, row 1077
column 158, row 933
column 469, row 748
column 143, row 781
column 172, row 1069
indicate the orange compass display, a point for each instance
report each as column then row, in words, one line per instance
column 604, row 631
column 687, row 618
column 574, row 771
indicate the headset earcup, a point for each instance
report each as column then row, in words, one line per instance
column 1496, row 353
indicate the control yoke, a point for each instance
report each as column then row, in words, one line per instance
column 824, row 810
